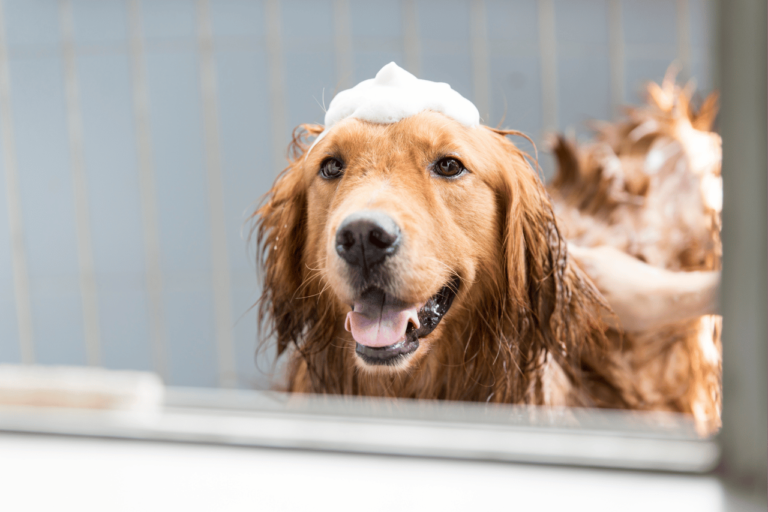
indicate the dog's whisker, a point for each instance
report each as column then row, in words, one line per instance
column 452, row 272
column 321, row 105
column 325, row 287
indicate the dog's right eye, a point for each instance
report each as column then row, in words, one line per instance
column 331, row 168
column 449, row 167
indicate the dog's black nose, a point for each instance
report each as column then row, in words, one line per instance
column 365, row 239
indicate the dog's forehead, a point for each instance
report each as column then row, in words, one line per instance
column 424, row 133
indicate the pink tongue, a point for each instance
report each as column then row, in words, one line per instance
column 376, row 326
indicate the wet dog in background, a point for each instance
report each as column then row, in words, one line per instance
column 650, row 187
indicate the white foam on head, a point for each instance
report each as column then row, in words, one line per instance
column 395, row 94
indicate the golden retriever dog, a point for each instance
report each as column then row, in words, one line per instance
column 424, row 259
column 447, row 218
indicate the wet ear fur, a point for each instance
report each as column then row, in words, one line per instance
column 557, row 309
column 280, row 229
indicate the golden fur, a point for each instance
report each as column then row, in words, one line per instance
column 525, row 326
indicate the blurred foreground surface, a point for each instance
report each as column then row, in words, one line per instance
column 463, row 430
column 131, row 444
column 59, row 473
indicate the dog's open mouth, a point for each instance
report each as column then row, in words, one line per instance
column 387, row 329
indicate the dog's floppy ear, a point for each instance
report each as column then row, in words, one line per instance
column 556, row 305
column 280, row 228
column 557, row 311
column 536, row 257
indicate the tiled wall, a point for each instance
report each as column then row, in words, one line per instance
column 134, row 135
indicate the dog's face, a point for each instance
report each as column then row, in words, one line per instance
column 384, row 239
column 400, row 221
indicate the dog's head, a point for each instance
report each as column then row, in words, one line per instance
column 390, row 243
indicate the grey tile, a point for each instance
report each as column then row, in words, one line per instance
column 191, row 350
column 512, row 20
column 701, row 22
column 306, row 22
column 649, row 21
column 516, row 93
column 581, row 21
column 169, row 20
column 246, row 141
column 184, row 223
column 125, row 326
column 237, row 18
column 583, row 92
column 58, row 322
column 248, row 173
column 443, row 20
column 115, row 209
column 375, row 19
column 253, row 358
column 10, row 350
column 111, row 164
column 99, row 21
column 310, row 84
column 445, row 44
column 32, row 23
column 47, row 199
column 377, row 37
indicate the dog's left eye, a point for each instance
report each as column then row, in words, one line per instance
column 449, row 167
column 331, row 168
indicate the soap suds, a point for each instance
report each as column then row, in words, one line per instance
column 395, row 94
